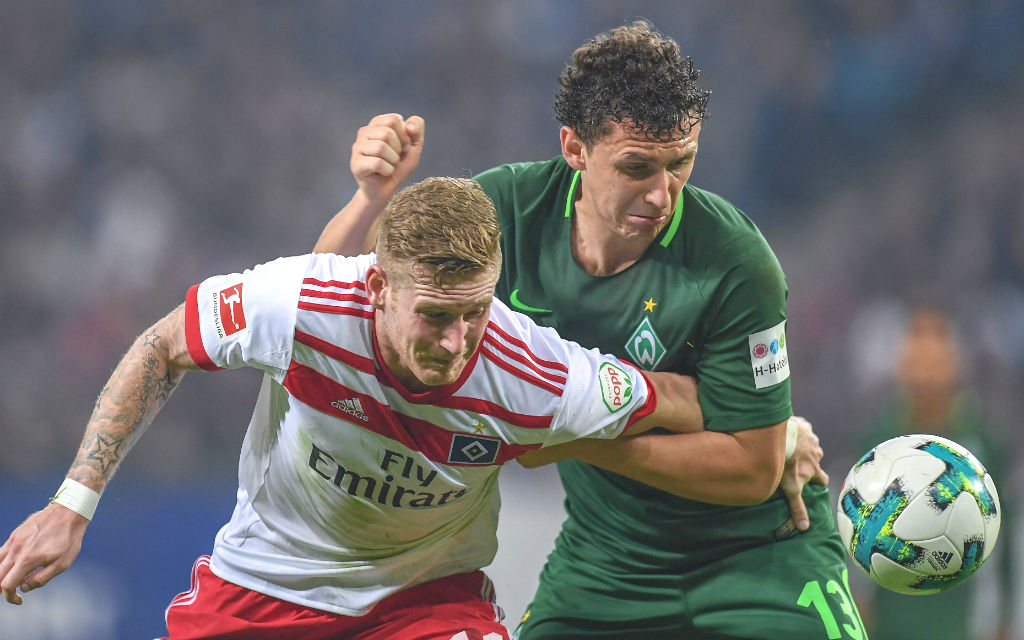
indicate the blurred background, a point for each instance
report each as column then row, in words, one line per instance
column 146, row 145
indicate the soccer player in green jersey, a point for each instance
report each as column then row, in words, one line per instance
column 675, row 536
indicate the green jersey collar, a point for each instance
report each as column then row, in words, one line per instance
column 666, row 238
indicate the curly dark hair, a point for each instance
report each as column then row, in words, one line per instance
column 631, row 72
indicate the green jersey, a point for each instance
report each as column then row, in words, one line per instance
column 707, row 299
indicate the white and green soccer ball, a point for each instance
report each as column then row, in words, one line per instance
column 919, row 514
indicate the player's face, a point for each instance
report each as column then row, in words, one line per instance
column 631, row 184
column 426, row 334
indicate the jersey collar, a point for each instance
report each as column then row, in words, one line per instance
column 666, row 236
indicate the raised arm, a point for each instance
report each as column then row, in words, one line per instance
column 49, row 540
column 386, row 151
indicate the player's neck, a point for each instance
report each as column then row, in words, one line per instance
column 599, row 250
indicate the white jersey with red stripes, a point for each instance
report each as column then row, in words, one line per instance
column 351, row 487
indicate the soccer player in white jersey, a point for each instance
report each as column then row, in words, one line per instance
column 395, row 389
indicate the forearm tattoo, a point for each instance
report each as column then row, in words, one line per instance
column 139, row 386
column 105, row 453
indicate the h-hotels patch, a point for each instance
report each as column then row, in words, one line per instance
column 228, row 312
column 769, row 358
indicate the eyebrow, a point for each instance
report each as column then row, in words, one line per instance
column 471, row 306
column 633, row 156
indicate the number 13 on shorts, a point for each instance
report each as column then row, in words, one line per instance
column 814, row 596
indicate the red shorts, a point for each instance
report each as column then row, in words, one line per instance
column 458, row 607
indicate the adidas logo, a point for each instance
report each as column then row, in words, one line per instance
column 943, row 558
column 352, row 407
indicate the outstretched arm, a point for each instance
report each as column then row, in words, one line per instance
column 49, row 540
column 385, row 153
column 677, row 409
column 732, row 468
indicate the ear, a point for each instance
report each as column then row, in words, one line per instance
column 572, row 149
column 376, row 285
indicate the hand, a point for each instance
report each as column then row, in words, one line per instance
column 802, row 467
column 49, row 540
column 385, row 153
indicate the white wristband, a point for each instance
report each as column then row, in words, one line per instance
column 791, row 434
column 76, row 496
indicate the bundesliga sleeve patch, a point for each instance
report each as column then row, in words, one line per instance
column 768, row 356
column 228, row 313
column 616, row 386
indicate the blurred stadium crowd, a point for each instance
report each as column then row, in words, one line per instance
column 145, row 145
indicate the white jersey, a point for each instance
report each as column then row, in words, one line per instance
column 351, row 487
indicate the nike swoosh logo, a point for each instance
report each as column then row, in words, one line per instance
column 514, row 301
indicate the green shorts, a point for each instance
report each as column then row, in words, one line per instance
column 747, row 585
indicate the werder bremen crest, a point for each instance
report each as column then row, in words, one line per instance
column 645, row 347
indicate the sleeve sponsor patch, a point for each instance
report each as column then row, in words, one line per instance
column 616, row 386
column 768, row 356
column 228, row 312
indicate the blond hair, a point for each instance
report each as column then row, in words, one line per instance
column 446, row 224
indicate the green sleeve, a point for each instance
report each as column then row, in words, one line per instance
column 750, row 299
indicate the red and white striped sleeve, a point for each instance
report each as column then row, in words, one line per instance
column 245, row 318
column 599, row 396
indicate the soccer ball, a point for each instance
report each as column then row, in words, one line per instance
column 919, row 514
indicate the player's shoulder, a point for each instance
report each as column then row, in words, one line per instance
column 717, row 230
column 706, row 208
column 520, row 176
column 519, row 329
column 505, row 320
column 274, row 279
column 525, row 193
column 336, row 268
